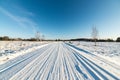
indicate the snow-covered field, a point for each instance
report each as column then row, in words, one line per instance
column 107, row 50
column 12, row 49
column 60, row 61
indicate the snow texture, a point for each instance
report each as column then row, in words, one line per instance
column 60, row 61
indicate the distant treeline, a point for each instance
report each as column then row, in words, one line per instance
column 98, row 40
column 91, row 40
column 6, row 38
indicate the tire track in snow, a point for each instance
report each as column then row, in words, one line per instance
column 81, row 68
column 29, row 69
column 88, row 67
column 60, row 61
column 38, row 69
column 12, row 69
column 98, row 70
column 100, row 59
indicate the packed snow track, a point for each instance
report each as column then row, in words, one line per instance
column 59, row 61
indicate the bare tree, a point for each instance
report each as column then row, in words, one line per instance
column 94, row 34
column 37, row 36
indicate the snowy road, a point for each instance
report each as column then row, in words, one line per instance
column 59, row 61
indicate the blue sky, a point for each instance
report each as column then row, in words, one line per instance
column 62, row 19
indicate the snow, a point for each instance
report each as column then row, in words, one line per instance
column 62, row 61
column 107, row 50
column 12, row 49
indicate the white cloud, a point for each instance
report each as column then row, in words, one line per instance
column 22, row 10
column 22, row 21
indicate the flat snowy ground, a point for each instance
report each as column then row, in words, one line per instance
column 59, row 61
column 107, row 50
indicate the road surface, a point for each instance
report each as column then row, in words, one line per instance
column 59, row 61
